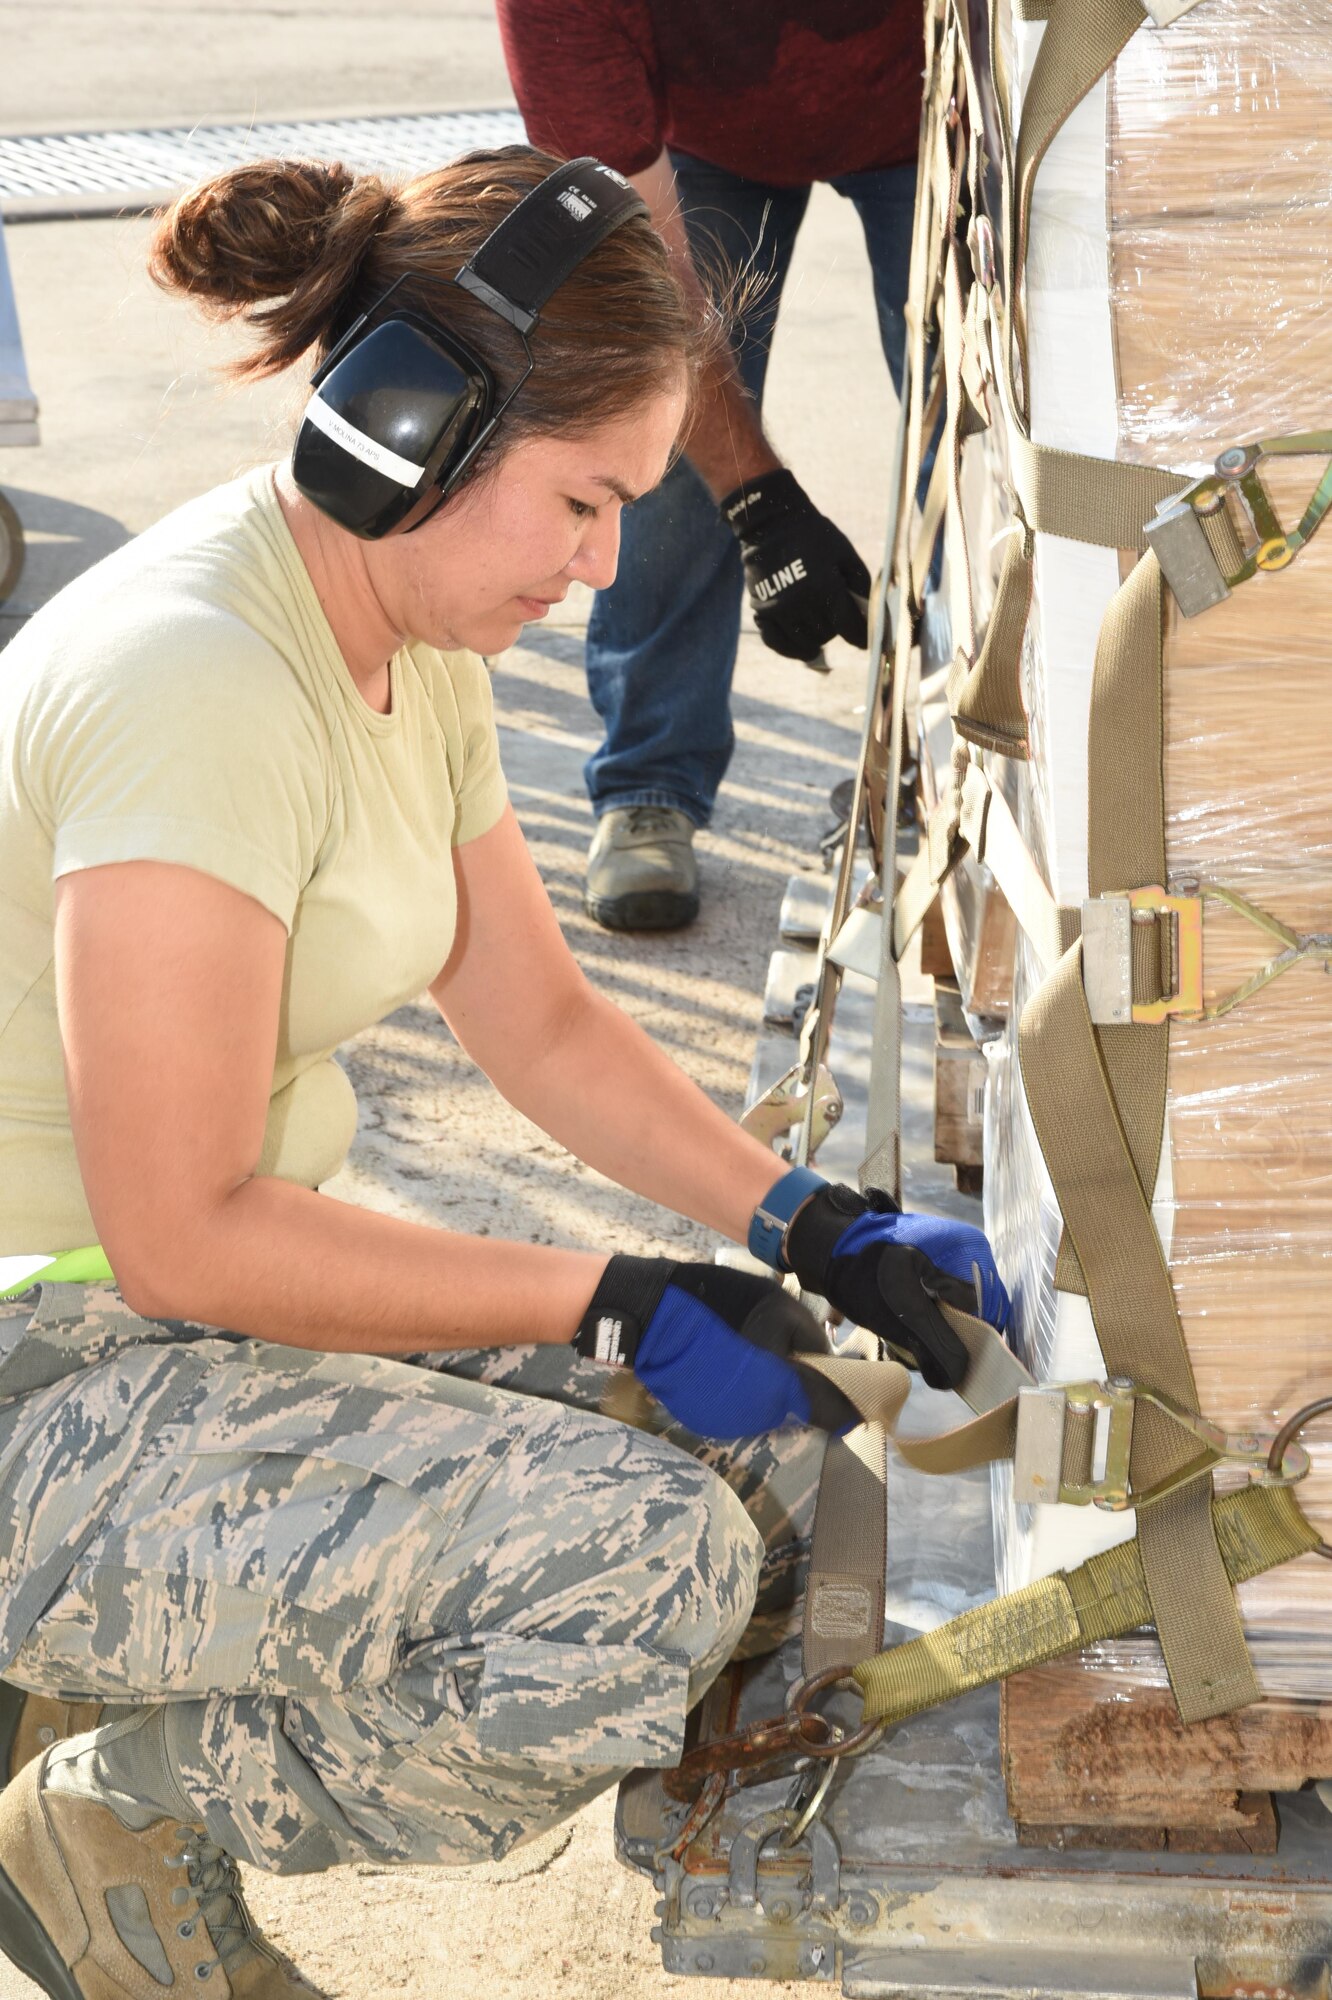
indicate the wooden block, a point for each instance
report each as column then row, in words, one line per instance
column 1255, row 1831
column 970, row 936
column 976, row 912
column 959, row 1084
column 936, row 961
column 1097, row 1760
column 979, row 930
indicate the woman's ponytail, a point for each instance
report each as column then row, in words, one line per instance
column 279, row 245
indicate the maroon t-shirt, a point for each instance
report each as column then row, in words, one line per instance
column 783, row 91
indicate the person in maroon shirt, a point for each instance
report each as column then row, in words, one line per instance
column 723, row 113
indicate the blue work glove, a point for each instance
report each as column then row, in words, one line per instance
column 712, row 1344
column 887, row 1271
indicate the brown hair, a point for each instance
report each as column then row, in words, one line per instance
column 298, row 248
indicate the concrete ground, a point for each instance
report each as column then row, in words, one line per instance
column 133, row 423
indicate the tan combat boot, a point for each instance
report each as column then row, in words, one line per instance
column 31, row 1723
column 91, row 1909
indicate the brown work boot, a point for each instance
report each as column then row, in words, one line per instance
column 93, row 1909
column 31, row 1723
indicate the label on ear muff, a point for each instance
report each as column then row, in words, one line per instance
column 367, row 449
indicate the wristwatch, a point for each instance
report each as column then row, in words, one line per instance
column 776, row 1212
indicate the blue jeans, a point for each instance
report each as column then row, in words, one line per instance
column 662, row 640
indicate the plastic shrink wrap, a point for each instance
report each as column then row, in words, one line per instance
column 1179, row 301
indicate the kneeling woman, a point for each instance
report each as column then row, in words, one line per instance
column 313, row 1603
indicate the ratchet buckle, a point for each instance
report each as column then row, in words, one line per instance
column 1108, row 924
column 1187, row 557
column 1171, row 975
column 1039, row 1459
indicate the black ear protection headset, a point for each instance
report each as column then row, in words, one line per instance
column 402, row 406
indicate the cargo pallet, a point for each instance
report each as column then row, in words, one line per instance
column 914, row 1882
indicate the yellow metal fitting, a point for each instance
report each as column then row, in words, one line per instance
column 1187, row 999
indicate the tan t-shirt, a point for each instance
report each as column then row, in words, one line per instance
column 185, row 701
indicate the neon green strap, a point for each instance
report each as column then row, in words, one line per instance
column 1106, row 1596
column 71, row 1267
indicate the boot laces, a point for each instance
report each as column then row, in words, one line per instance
column 215, row 1880
column 651, row 819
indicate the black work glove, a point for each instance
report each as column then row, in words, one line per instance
column 887, row 1271
column 804, row 577
column 712, row 1344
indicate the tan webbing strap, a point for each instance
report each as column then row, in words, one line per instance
column 977, row 163
column 986, row 699
column 994, row 1373
column 931, row 520
column 1103, row 1598
column 1001, row 90
column 921, row 883
column 879, row 1389
column 1048, row 926
column 1126, row 847
column 991, row 1387
column 1133, row 1305
column 1106, row 502
column 882, row 1166
column 985, row 685
column 959, row 418
column 845, row 1593
column 1077, row 1463
column 1152, row 952
column 1102, row 501
column 994, row 1378
column 973, row 817
column 848, row 1557
column 848, row 1561
column 844, row 1599
column 1163, row 12
column 1080, row 42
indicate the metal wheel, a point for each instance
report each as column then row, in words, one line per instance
column 11, row 548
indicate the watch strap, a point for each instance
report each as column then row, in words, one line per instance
column 772, row 1217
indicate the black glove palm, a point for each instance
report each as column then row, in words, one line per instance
column 888, row 1271
column 805, row 580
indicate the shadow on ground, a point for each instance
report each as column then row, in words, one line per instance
column 62, row 539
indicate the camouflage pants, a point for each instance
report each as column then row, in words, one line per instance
column 413, row 1612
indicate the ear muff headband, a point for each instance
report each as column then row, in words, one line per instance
column 402, row 406
column 545, row 238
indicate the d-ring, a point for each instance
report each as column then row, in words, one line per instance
column 1286, row 1435
column 797, row 1706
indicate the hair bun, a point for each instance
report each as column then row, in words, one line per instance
column 292, row 231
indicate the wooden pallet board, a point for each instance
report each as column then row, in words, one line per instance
column 1099, row 1760
column 959, row 1083
column 971, row 931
